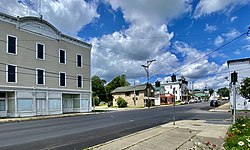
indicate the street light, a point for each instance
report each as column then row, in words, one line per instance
column 146, row 67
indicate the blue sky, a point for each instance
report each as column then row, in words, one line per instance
column 178, row 34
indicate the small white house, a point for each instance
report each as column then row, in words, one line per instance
column 241, row 66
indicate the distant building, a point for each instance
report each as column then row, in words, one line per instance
column 159, row 95
column 241, row 66
column 200, row 94
column 139, row 91
column 43, row 71
column 180, row 88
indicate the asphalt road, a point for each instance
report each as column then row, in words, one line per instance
column 85, row 131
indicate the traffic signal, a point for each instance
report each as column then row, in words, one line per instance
column 157, row 84
column 234, row 77
column 173, row 78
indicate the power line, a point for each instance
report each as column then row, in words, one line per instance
column 212, row 51
column 34, row 69
column 30, row 49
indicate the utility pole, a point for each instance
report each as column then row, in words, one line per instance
column 147, row 72
column 134, row 97
column 174, row 105
column 234, row 77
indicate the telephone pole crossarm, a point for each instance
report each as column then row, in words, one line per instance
column 146, row 67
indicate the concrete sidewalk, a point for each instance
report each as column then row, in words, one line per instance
column 184, row 135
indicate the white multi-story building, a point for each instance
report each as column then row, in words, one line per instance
column 180, row 88
column 42, row 71
column 241, row 66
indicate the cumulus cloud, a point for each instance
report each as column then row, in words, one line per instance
column 210, row 28
column 192, row 68
column 150, row 11
column 126, row 51
column 68, row 16
column 218, row 41
column 206, row 7
column 214, row 82
column 146, row 38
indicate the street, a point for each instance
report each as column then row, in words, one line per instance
column 84, row 131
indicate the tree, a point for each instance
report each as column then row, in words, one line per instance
column 121, row 102
column 118, row 81
column 98, row 87
column 223, row 92
column 211, row 91
column 245, row 88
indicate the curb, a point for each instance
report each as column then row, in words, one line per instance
column 7, row 120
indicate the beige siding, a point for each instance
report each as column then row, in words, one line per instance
column 26, row 57
column 129, row 99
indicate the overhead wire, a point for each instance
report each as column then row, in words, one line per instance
column 209, row 53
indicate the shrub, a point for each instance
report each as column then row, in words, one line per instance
column 121, row 102
column 238, row 136
column 96, row 100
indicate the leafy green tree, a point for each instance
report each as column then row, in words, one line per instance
column 245, row 88
column 211, row 91
column 118, row 81
column 223, row 92
column 98, row 88
column 121, row 103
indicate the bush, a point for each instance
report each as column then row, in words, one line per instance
column 238, row 136
column 96, row 100
column 121, row 102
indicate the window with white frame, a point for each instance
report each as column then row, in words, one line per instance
column 62, row 79
column 40, row 76
column 40, row 51
column 62, row 56
column 79, row 81
column 11, row 73
column 79, row 60
column 11, row 44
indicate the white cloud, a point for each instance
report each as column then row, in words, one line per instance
column 206, row 7
column 232, row 19
column 125, row 52
column 210, row 28
column 218, row 41
column 196, row 64
column 68, row 16
column 237, row 52
column 218, row 80
column 148, row 12
column 214, row 82
column 146, row 38
column 231, row 34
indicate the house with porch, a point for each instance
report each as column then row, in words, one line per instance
column 137, row 92
column 43, row 71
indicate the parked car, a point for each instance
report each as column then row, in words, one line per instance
column 192, row 101
column 184, row 102
column 214, row 103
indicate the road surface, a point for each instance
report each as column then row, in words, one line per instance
column 84, row 131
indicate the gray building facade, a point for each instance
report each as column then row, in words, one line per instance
column 42, row 71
